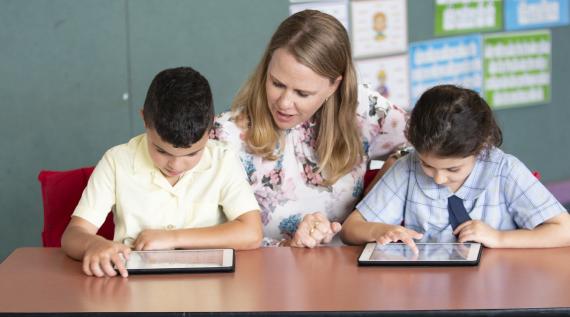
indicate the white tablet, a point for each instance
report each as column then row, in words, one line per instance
column 181, row 261
column 429, row 254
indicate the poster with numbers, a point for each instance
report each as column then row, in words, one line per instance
column 388, row 76
column 379, row 27
column 454, row 17
column 529, row 14
column 454, row 60
column 517, row 68
column 338, row 9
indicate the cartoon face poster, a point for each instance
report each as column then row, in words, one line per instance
column 388, row 76
column 379, row 27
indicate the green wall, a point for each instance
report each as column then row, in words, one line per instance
column 66, row 66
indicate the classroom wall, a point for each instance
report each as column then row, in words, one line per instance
column 73, row 76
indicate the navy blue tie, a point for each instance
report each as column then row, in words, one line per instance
column 457, row 212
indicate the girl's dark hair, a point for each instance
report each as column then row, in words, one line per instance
column 451, row 121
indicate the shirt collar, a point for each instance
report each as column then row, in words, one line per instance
column 143, row 163
column 485, row 170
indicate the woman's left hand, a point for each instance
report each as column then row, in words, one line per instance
column 313, row 230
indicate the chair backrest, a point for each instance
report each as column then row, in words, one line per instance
column 61, row 191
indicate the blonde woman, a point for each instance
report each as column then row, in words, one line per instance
column 306, row 130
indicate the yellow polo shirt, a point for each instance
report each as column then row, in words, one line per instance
column 125, row 180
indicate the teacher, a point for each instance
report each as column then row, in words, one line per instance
column 305, row 130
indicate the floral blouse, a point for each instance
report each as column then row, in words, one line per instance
column 290, row 187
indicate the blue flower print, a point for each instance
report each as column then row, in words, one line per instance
column 288, row 226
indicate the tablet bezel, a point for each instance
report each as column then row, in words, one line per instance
column 473, row 257
column 228, row 263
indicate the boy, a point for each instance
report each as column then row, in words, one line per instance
column 458, row 185
column 169, row 188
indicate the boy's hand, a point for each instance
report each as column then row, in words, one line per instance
column 399, row 233
column 152, row 239
column 102, row 255
column 478, row 231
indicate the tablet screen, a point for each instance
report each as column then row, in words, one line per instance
column 429, row 253
column 180, row 260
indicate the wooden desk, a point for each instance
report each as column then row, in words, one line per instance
column 320, row 281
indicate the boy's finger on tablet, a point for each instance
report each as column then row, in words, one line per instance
column 125, row 253
column 119, row 264
column 95, row 267
column 108, row 269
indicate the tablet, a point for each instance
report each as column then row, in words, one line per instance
column 447, row 254
column 181, row 261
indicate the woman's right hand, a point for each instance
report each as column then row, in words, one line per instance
column 314, row 230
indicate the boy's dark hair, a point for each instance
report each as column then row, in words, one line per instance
column 451, row 121
column 179, row 106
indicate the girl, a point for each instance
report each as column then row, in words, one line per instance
column 458, row 185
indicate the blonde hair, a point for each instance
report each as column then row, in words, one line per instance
column 318, row 41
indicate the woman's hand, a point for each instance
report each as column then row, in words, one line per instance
column 313, row 230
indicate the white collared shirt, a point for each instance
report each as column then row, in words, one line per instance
column 125, row 180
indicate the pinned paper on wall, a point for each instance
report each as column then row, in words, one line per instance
column 454, row 17
column 388, row 76
column 338, row 9
column 379, row 27
column 528, row 14
column 455, row 60
column 517, row 68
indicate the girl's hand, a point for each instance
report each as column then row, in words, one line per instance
column 399, row 233
column 314, row 230
column 478, row 231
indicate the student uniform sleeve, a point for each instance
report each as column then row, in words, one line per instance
column 237, row 195
column 99, row 196
column 527, row 200
column 386, row 201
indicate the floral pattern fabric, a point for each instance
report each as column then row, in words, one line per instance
column 290, row 187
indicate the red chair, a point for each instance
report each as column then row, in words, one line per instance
column 61, row 191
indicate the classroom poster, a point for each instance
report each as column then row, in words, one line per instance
column 528, row 14
column 379, row 27
column 388, row 76
column 338, row 9
column 455, row 60
column 517, row 68
column 454, row 17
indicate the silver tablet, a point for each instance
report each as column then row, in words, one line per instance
column 181, row 261
column 429, row 254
